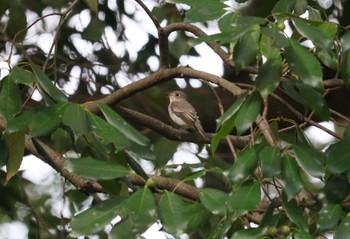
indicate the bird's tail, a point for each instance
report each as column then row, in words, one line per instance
column 200, row 129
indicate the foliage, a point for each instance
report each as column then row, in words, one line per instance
column 61, row 102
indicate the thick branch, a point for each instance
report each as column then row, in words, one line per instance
column 158, row 77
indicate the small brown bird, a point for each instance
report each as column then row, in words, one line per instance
column 183, row 113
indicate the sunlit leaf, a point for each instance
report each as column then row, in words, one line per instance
column 94, row 169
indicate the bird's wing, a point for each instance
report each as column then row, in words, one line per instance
column 189, row 115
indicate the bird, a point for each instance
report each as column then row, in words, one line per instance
column 183, row 113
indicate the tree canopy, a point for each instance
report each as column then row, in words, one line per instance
column 83, row 88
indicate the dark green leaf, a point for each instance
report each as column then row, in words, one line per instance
column 75, row 117
column 329, row 216
column 342, row 231
column 17, row 23
column 108, row 133
column 46, row 121
column 315, row 101
column 95, row 218
column 329, row 58
column 345, row 67
column 94, row 169
column 311, row 160
column 304, row 64
column 247, row 48
column 246, row 197
column 172, row 212
column 270, row 161
column 93, row 5
column 245, row 165
column 123, row 229
column 283, row 6
column 197, row 215
column 20, row 122
column 223, row 226
column 164, row 150
column 338, row 157
column 214, row 200
column 47, row 85
column 22, row 76
column 294, row 213
column 62, row 140
column 248, row 113
column 224, row 130
column 269, row 76
column 278, row 39
column 291, row 176
column 336, row 188
column 123, row 126
column 15, row 145
column 226, row 22
column 10, row 98
column 93, row 32
column 345, row 41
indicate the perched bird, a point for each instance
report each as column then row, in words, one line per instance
column 183, row 113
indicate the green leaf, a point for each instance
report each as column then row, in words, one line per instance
column 10, row 98
column 95, row 218
column 214, row 200
column 345, row 41
column 304, row 64
column 46, row 121
column 336, row 188
column 269, row 76
column 315, row 101
column 164, row 150
column 140, row 202
column 223, row 226
column 123, row 126
column 245, row 165
column 230, row 112
column 310, row 30
column 225, row 129
column 329, row 58
column 249, row 233
column 278, row 39
column 61, row 140
column 47, row 85
column 94, row 169
column 345, row 67
column 338, row 157
column 294, row 213
column 248, row 113
column 329, row 216
column 20, row 122
column 75, row 117
column 311, row 160
column 202, row 10
column 16, row 23
column 172, row 212
column 342, row 231
column 123, row 229
column 15, row 145
column 197, row 216
column 270, row 160
column 93, row 5
column 108, row 133
column 283, row 6
column 246, row 197
column 291, row 176
column 247, row 48
column 93, row 32
column 22, row 76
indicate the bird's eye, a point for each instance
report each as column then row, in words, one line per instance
column 177, row 94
